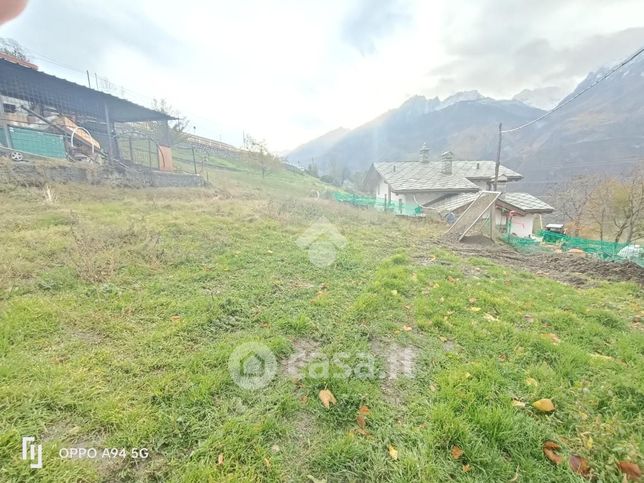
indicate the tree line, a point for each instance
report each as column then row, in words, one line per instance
column 611, row 208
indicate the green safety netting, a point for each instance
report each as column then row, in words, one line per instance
column 525, row 244
column 601, row 249
column 604, row 250
column 378, row 203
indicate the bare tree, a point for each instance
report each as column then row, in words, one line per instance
column 614, row 206
column 629, row 207
column 11, row 47
column 171, row 132
column 572, row 198
column 258, row 154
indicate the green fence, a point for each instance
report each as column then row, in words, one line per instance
column 379, row 204
column 524, row 244
column 35, row 142
column 604, row 250
column 601, row 249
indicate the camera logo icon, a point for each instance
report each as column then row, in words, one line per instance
column 323, row 240
column 252, row 365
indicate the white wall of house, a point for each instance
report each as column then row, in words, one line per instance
column 522, row 225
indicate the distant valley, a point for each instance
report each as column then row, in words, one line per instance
column 600, row 132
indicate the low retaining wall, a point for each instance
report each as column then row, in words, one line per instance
column 34, row 173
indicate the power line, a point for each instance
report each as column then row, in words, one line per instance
column 121, row 88
column 555, row 109
column 604, row 77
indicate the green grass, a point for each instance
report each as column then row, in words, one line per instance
column 119, row 310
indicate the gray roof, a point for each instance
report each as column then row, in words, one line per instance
column 526, row 202
column 415, row 176
column 521, row 201
column 482, row 170
column 452, row 202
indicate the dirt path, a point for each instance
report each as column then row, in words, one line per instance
column 570, row 268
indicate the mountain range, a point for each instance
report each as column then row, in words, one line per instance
column 600, row 132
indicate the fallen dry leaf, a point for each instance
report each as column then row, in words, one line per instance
column 549, row 449
column 175, row 318
column 393, row 452
column 631, row 470
column 327, row 398
column 517, row 403
column 475, row 309
column 315, row 480
column 472, row 300
column 362, row 421
column 220, row 459
column 579, row 465
column 531, row 382
column 467, row 468
column 489, row 318
column 267, row 462
column 456, row 452
column 451, row 279
column 394, row 292
column 364, row 410
column 406, row 328
column 552, row 338
column 544, row 405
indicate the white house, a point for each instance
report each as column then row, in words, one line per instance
column 447, row 185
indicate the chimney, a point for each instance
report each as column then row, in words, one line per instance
column 446, row 162
column 424, row 154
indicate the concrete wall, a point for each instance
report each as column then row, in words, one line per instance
column 39, row 173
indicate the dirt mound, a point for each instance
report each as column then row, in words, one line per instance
column 571, row 268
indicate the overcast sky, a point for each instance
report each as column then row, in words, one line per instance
column 290, row 70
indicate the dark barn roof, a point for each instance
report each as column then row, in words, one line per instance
column 68, row 97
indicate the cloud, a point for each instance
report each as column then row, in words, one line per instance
column 289, row 70
column 369, row 22
column 73, row 31
column 535, row 45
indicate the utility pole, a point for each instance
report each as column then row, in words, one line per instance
column 498, row 157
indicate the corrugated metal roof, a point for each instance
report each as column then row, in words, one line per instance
column 32, row 85
column 526, row 202
column 415, row 176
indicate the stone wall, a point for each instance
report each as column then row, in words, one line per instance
column 37, row 173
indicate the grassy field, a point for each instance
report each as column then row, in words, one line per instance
column 120, row 309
